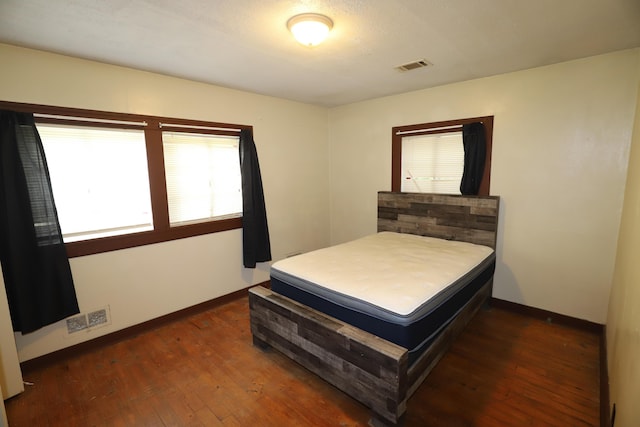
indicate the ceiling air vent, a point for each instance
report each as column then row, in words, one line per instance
column 413, row 65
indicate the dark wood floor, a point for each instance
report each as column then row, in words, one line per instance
column 506, row 369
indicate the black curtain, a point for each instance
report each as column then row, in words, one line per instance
column 255, row 232
column 475, row 152
column 34, row 260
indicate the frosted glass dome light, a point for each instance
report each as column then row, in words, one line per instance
column 310, row 29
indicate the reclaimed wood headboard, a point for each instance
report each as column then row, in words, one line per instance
column 471, row 219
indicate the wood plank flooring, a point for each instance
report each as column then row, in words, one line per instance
column 506, row 369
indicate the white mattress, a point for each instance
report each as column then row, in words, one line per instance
column 395, row 272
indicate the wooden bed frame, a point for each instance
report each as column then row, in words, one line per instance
column 370, row 369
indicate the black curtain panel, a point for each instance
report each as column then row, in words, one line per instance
column 255, row 232
column 475, row 152
column 34, row 260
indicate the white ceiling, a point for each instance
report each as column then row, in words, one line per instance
column 244, row 44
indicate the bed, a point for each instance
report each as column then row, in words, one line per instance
column 379, row 349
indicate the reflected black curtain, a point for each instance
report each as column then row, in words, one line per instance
column 34, row 260
column 475, row 152
column 255, row 232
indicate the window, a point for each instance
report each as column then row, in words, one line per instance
column 92, row 171
column 432, row 163
column 429, row 157
column 122, row 180
column 203, row 177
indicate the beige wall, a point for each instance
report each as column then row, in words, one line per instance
column 3, row 413
column 623, row 321
column 10, row 374
column 560, row 150
column 143, row 283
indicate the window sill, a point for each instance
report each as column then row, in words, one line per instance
column 114, row 243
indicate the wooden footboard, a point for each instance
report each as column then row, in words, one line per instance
column 368, row 368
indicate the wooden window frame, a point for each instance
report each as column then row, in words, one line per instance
column 434, row 128
column 153, row 128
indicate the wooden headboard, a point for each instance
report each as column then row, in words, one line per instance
column 471, row 219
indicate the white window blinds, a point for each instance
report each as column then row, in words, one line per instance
column 203, row 177
column 99, row 178
column 432, row 163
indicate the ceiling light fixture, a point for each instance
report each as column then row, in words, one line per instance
column 310, row 29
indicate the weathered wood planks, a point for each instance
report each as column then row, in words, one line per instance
column 369, row 369
column 464, row 218
column 362, row 365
